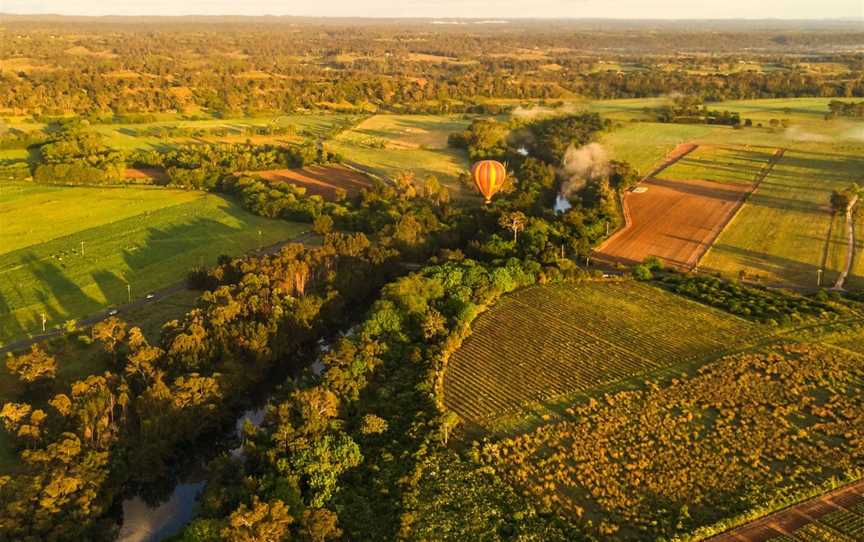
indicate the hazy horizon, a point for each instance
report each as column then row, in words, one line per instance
column 451, row 9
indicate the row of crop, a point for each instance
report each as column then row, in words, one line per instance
column 650, row 315
column 679, row 456
column 515, row 356
column 846, row 522
column 544, row 342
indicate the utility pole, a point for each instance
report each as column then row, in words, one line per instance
column 82, row 248
column 44, row 321
column 819, row 278
column 129, row 291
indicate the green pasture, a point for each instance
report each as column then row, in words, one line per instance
column 124, row 136
column 408, row 131
column 645, row 144
column 736, row 165
column 780, row 234
column 134, row 136
column 145, row 237
column 389, row 144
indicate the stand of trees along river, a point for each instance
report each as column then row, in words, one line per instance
column 160, row 404
column 362, row 450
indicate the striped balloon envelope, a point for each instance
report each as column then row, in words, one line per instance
column 489, row 177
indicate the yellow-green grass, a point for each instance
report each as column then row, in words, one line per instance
column 644, row 144
column 396, row 143
column 145, row 237
column 133, row 136
column 408, row 131
column 736, row 165
column 13, row 155
column 793, row 109
column 34, row 214
column 552, row 341
column 626, row 109
column 124, row 136
column 779, row 235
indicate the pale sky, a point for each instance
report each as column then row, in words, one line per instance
column 629, row 9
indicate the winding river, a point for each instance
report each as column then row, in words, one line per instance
column 145, row 523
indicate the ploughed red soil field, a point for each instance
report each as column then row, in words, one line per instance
column 320, row 180
column 148, row 174
column 674, row 220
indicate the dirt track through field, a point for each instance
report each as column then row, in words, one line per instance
column 146, row 174
column 788, row 520
column 850, row 243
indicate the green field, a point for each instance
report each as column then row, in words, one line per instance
column 135, row 136
column 145, row 237
column 780, row 234
column 389, row 144
column 736, row 165
column 644, row 144
column 545, row 342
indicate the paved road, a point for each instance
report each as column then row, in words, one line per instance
column 788, row 520
column 158, row 296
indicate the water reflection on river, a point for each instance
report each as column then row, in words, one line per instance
column 144, row 523
column 562, row 204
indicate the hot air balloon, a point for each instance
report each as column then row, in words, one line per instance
column 488, row 176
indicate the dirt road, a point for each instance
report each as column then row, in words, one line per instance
column 788, row 520
column 850, row 240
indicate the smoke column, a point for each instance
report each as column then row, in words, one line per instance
column 582, row 165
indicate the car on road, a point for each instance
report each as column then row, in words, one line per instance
column 112, row 312
column 149, row 296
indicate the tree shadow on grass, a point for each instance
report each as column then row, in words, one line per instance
column 113, row 287
column 12, row 327
column 169, row 243
column 771, row 263
column 60, row 297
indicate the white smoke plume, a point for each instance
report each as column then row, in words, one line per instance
column 856, row 134
column 797, row 134
column 539, row 111
column 582, row 165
